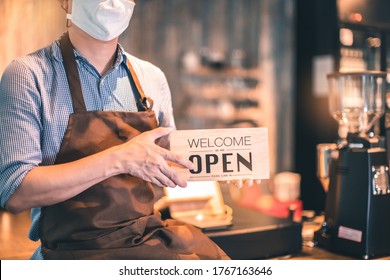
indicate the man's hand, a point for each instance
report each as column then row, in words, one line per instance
column 142, row 158
column 243, row 183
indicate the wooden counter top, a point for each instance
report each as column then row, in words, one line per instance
column 15, row 245
column 14, row 242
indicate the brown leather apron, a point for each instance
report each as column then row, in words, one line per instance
column 113, row 219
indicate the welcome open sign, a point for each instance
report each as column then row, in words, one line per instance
column 224, row 154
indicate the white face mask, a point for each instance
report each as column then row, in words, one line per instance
column 102, row 19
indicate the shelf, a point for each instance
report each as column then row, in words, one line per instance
column 248, row 76
column 227, row 71
column 218, row 98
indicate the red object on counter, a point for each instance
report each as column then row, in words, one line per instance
column 284, row 209
column 252, row 197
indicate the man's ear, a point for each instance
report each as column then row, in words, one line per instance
column 64, row 4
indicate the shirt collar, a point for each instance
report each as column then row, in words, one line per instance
column 56, row 53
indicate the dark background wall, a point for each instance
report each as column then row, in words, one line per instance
column 317, row 33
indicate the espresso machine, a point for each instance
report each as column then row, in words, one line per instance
column 354, row 170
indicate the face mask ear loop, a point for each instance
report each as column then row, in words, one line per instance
column 65, row 6
column 68, row 18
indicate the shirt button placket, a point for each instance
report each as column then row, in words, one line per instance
column 102, row 83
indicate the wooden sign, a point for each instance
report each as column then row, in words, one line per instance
column 224, row 154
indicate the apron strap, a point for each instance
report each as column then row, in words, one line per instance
column 72, row 74
column 143, row 103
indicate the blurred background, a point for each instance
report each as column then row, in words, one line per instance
column 233, row 63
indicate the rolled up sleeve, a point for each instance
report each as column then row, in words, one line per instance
column 20, row 129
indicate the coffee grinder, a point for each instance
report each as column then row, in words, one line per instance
column 355, row 169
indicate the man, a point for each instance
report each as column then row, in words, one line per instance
column 80, row 123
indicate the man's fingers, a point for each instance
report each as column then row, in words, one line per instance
column 249, row 182
column 158, row 132
column 180, row 160
column 243, row 182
